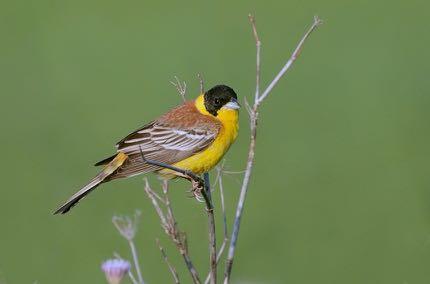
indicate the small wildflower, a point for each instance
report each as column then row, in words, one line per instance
column 115, row 270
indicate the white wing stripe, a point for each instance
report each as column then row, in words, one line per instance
column 136, row 140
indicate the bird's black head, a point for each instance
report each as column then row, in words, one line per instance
column 218, row 97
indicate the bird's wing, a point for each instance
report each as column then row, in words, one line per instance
column 158, row 140
column 170, row 139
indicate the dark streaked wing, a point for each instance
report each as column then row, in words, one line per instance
column 158, row 136
column 163, row 143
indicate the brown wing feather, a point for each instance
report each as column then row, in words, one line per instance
column 173, row 137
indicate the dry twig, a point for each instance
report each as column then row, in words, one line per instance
column 181, row 87
column 170, row 226
column 166, row 260
column 127, row 228
column 197, row 183
column 211, row 230
column 202, row 85
column 224, row 215
column 218, row 180
column 200, row 186
column 253, row 112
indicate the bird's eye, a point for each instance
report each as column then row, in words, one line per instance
column 217, row 101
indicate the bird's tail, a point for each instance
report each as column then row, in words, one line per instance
column 109, row 169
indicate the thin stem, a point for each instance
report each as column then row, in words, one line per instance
column 224, row 215
column 185, row 173
column 253, row 125
column 239, row 209
column 290, row 61
column 136, row 261
column 170, row 227
column 220, row 172
column 170, row 216
column 177, row 236
column 127, row 228
column 211, row 230
column 258, row 47
column 166, row 260
column 225, row 240
column 202, row 85
column 181, row 87
column 133, row 280
column 151, row 195
column 171, row 220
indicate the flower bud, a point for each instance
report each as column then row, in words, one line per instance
column 115, row 270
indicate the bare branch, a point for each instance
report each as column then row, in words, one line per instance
column 258, row 47
column 258, row 99
column 248, row 107
column 156, row 195
column 224, row 215
column 202, row 85
column 127, row 228
column 234, row 172
column 136, row 261
column 211, row 230
column 132, row 278
column 220, row 172
column 218, row 181
column 181, row 87
column 166, row 260
column 151, row 194
column 317, row 22
column 200, row 186
column 196, row 181
column 170, row 216
column 169, row 224
column 206, row 193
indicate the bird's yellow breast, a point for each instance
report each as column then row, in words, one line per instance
column 208, row 158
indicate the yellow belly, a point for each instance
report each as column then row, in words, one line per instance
column 207, row 159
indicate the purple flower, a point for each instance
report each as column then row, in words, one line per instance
column 115, row 270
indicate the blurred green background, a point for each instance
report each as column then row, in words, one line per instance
column 340, row 192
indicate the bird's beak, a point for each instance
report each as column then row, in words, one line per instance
column 232, row 104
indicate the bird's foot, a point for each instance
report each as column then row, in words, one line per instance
column 198, row 186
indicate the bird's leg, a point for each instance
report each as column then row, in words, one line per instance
column 197, row 189
column 185, row 173
column 197, row 182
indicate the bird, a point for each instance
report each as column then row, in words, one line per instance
column 193, row 136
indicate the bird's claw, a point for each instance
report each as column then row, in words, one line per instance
column 196, row 190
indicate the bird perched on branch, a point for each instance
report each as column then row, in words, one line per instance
column 193, row 136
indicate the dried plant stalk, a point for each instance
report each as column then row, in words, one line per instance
column 168, row 223
column 253, row 114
